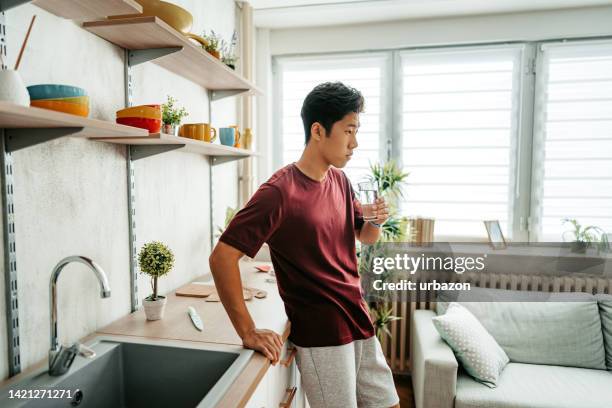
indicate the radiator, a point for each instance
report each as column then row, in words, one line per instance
column 396, row 347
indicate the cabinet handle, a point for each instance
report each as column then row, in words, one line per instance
column 290, row 394
column 287, row 362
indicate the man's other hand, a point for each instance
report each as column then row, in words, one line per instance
column 266, row 342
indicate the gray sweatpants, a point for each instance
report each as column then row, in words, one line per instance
column 347, row 376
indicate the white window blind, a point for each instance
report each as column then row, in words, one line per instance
column 573, row 140
column 460, row 116
column 300, row 75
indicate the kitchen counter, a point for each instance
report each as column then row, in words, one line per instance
column 268, row 313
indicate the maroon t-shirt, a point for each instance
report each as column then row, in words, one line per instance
column 310, row 228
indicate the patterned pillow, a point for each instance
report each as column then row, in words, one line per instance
column 475, row 348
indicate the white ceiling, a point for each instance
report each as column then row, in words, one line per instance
column 308, row 13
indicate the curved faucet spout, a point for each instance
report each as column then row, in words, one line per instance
column 104, row 292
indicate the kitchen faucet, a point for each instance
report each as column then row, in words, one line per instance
column 61, row 358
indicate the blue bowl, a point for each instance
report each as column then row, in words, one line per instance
column 51, row 91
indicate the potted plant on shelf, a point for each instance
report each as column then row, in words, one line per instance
column 585, row 237
column 228, row 52
column 214, row 43
column 156, row 260
column 172, row 116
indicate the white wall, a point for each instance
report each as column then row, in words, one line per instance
column 70, row 194
column 444, row 31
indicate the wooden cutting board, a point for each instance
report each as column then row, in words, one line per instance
column 196, row 290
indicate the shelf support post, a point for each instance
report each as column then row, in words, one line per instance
column 8, row 238
column 21, row 138
column 131, row 192
column 10, row 260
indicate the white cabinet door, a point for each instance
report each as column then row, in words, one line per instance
column 280, row 385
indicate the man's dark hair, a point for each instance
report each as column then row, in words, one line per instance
column 328, row 103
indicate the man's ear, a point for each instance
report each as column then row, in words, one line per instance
column 317, row 131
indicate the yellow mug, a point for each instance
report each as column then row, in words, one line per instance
column 237, row 142
column 199, row 131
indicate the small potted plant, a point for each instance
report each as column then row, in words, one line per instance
column 214, row 43
column 228, row 52
column 172, row 116
column 156, row 260
column 584, row 237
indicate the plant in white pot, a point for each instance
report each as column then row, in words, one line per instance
column 156, row 260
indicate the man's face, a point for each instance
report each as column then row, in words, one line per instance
column 337, row 147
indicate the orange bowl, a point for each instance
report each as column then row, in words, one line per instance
column 142, row 111
column 152, row 125
column 60, row 106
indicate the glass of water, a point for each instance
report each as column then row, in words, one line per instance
column 368, row 193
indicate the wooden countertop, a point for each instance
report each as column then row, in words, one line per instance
column 268, row 313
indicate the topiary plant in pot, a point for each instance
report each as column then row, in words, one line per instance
column 156, row 260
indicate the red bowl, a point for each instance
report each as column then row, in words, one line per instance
column 152, row 125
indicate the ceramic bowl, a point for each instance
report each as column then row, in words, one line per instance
column 59, row 106
column 176, row 17
column 53, row 91
column 142, row 111
column 152, row 125
column 81, row 100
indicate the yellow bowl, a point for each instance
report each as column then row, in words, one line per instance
column 176, row 17
column 81, row 100
column 141, row 111
column 66, row 107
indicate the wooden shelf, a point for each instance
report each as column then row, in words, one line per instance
column 24, row 117
column 192, row 62
column 83, row 10
column 183, row 144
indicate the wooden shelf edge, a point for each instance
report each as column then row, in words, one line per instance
column 194, row 146
column 178, row 39
column 14, row 116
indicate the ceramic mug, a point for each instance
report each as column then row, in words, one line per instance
column 199, row 131
column 238, row 136
column 227, row 136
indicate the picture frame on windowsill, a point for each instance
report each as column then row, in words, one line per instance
column 496, row 237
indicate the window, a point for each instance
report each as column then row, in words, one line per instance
column 573, row 138
column 460, row 113
column 298, row 76
column 483, row 136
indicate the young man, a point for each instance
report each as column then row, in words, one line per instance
column 308, row 215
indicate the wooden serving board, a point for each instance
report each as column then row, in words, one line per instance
column 196, row 290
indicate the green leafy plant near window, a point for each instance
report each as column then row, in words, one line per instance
column 584, row 237
column 156, row 260
column 382, row 315
column 230, row 212
column 214, row 42
column 172, row 115
column 391, row 181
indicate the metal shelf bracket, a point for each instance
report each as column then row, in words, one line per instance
column 137, row 57
column 17, row 139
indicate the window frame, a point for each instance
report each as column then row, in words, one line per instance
column 525, row 208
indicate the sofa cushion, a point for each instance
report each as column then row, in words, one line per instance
column 478, row 352
column 566, row 333
column 605, row 311
column 538, row 386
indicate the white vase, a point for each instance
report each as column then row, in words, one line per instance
column 12, row 88
column 154, row 309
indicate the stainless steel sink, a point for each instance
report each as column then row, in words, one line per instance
column 130, row 372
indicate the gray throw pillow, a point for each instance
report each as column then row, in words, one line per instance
column 474, row 347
